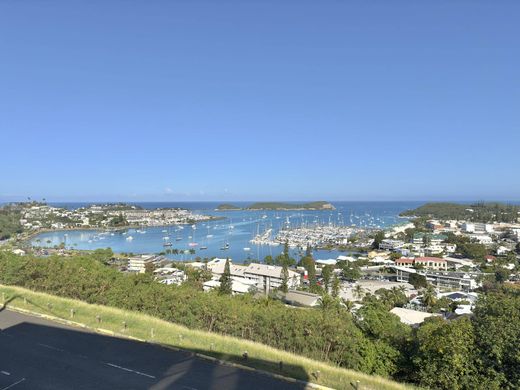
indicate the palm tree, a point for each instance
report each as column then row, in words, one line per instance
column 349, row 305
column 359, row 292
column 429, row 297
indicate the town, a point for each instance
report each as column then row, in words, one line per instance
column 37, row 216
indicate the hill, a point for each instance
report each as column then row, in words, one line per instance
column 476, row 212
column 227, row 207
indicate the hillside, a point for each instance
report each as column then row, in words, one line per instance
column 207, row 344
column 477, row 212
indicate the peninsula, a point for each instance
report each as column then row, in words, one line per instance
column 319, row 205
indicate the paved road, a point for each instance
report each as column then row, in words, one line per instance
column 40, row 354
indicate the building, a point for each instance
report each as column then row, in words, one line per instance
column 391, row 245
column 431, row 263
column 435, row 263
column 465, row 281
column 139, row 263
column 264, row 277
column 420, row 238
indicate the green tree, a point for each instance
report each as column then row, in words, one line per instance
column 285, row 279
column 326, row 274
column 335, row 286
column 417, row 281
column 429, row 296
column 445, row 355
column 502, row 275
column 380, row 236
column 496, row 322
column 226, row 284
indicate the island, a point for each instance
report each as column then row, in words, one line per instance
column 319, row 205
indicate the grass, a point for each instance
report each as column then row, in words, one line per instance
column 143, row 327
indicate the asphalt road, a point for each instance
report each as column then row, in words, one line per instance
column 40, row 354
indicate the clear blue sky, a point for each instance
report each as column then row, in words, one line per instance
column 335, row 100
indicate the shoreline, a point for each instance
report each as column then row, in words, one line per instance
column 31, row 235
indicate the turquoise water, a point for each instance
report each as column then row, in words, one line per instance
column 237, row 229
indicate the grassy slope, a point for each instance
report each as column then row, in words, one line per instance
column 223, row 347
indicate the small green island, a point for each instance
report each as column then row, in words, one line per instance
column 319, row 205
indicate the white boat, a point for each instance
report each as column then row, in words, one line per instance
column 247, row 249
column 209, row 235
column 129, row 238
column 193, row 244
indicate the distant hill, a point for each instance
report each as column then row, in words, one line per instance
column 321, row 205
column 477, row 212
column 227, row 206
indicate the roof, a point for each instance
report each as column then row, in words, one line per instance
column 411, row 317
column 302, row 298
column 327, row 262
column 430, row 259
column 405, row 260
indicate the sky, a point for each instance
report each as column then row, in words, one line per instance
column 259, row 100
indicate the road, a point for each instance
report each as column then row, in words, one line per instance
column 39, row 354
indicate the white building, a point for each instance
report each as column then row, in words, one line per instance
column 138, row 263
column 265, row 277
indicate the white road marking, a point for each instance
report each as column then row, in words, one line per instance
column 130, row 370
column 5, row 372
column 14, row 384
column 51, row 347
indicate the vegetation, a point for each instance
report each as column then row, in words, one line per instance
column 477, row 212
column 9, row 221
column 227, row 206
column 481, row 352
column 209, row 344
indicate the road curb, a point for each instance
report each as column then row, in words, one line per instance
column 308, row 385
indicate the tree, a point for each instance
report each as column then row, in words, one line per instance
column 417, row 281
column 497, row 334
column 429, row 297
column 359, row 292
column 285, row 278
column 335, row 286
column 326, row 274
column 380, row 236
column 517, row 248
column 445, row 355
column 226, row 284
column 502, row 275
column 351, row 272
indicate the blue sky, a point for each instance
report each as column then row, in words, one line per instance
column 243, row 100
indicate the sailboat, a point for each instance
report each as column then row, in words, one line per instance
column 193, row 243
